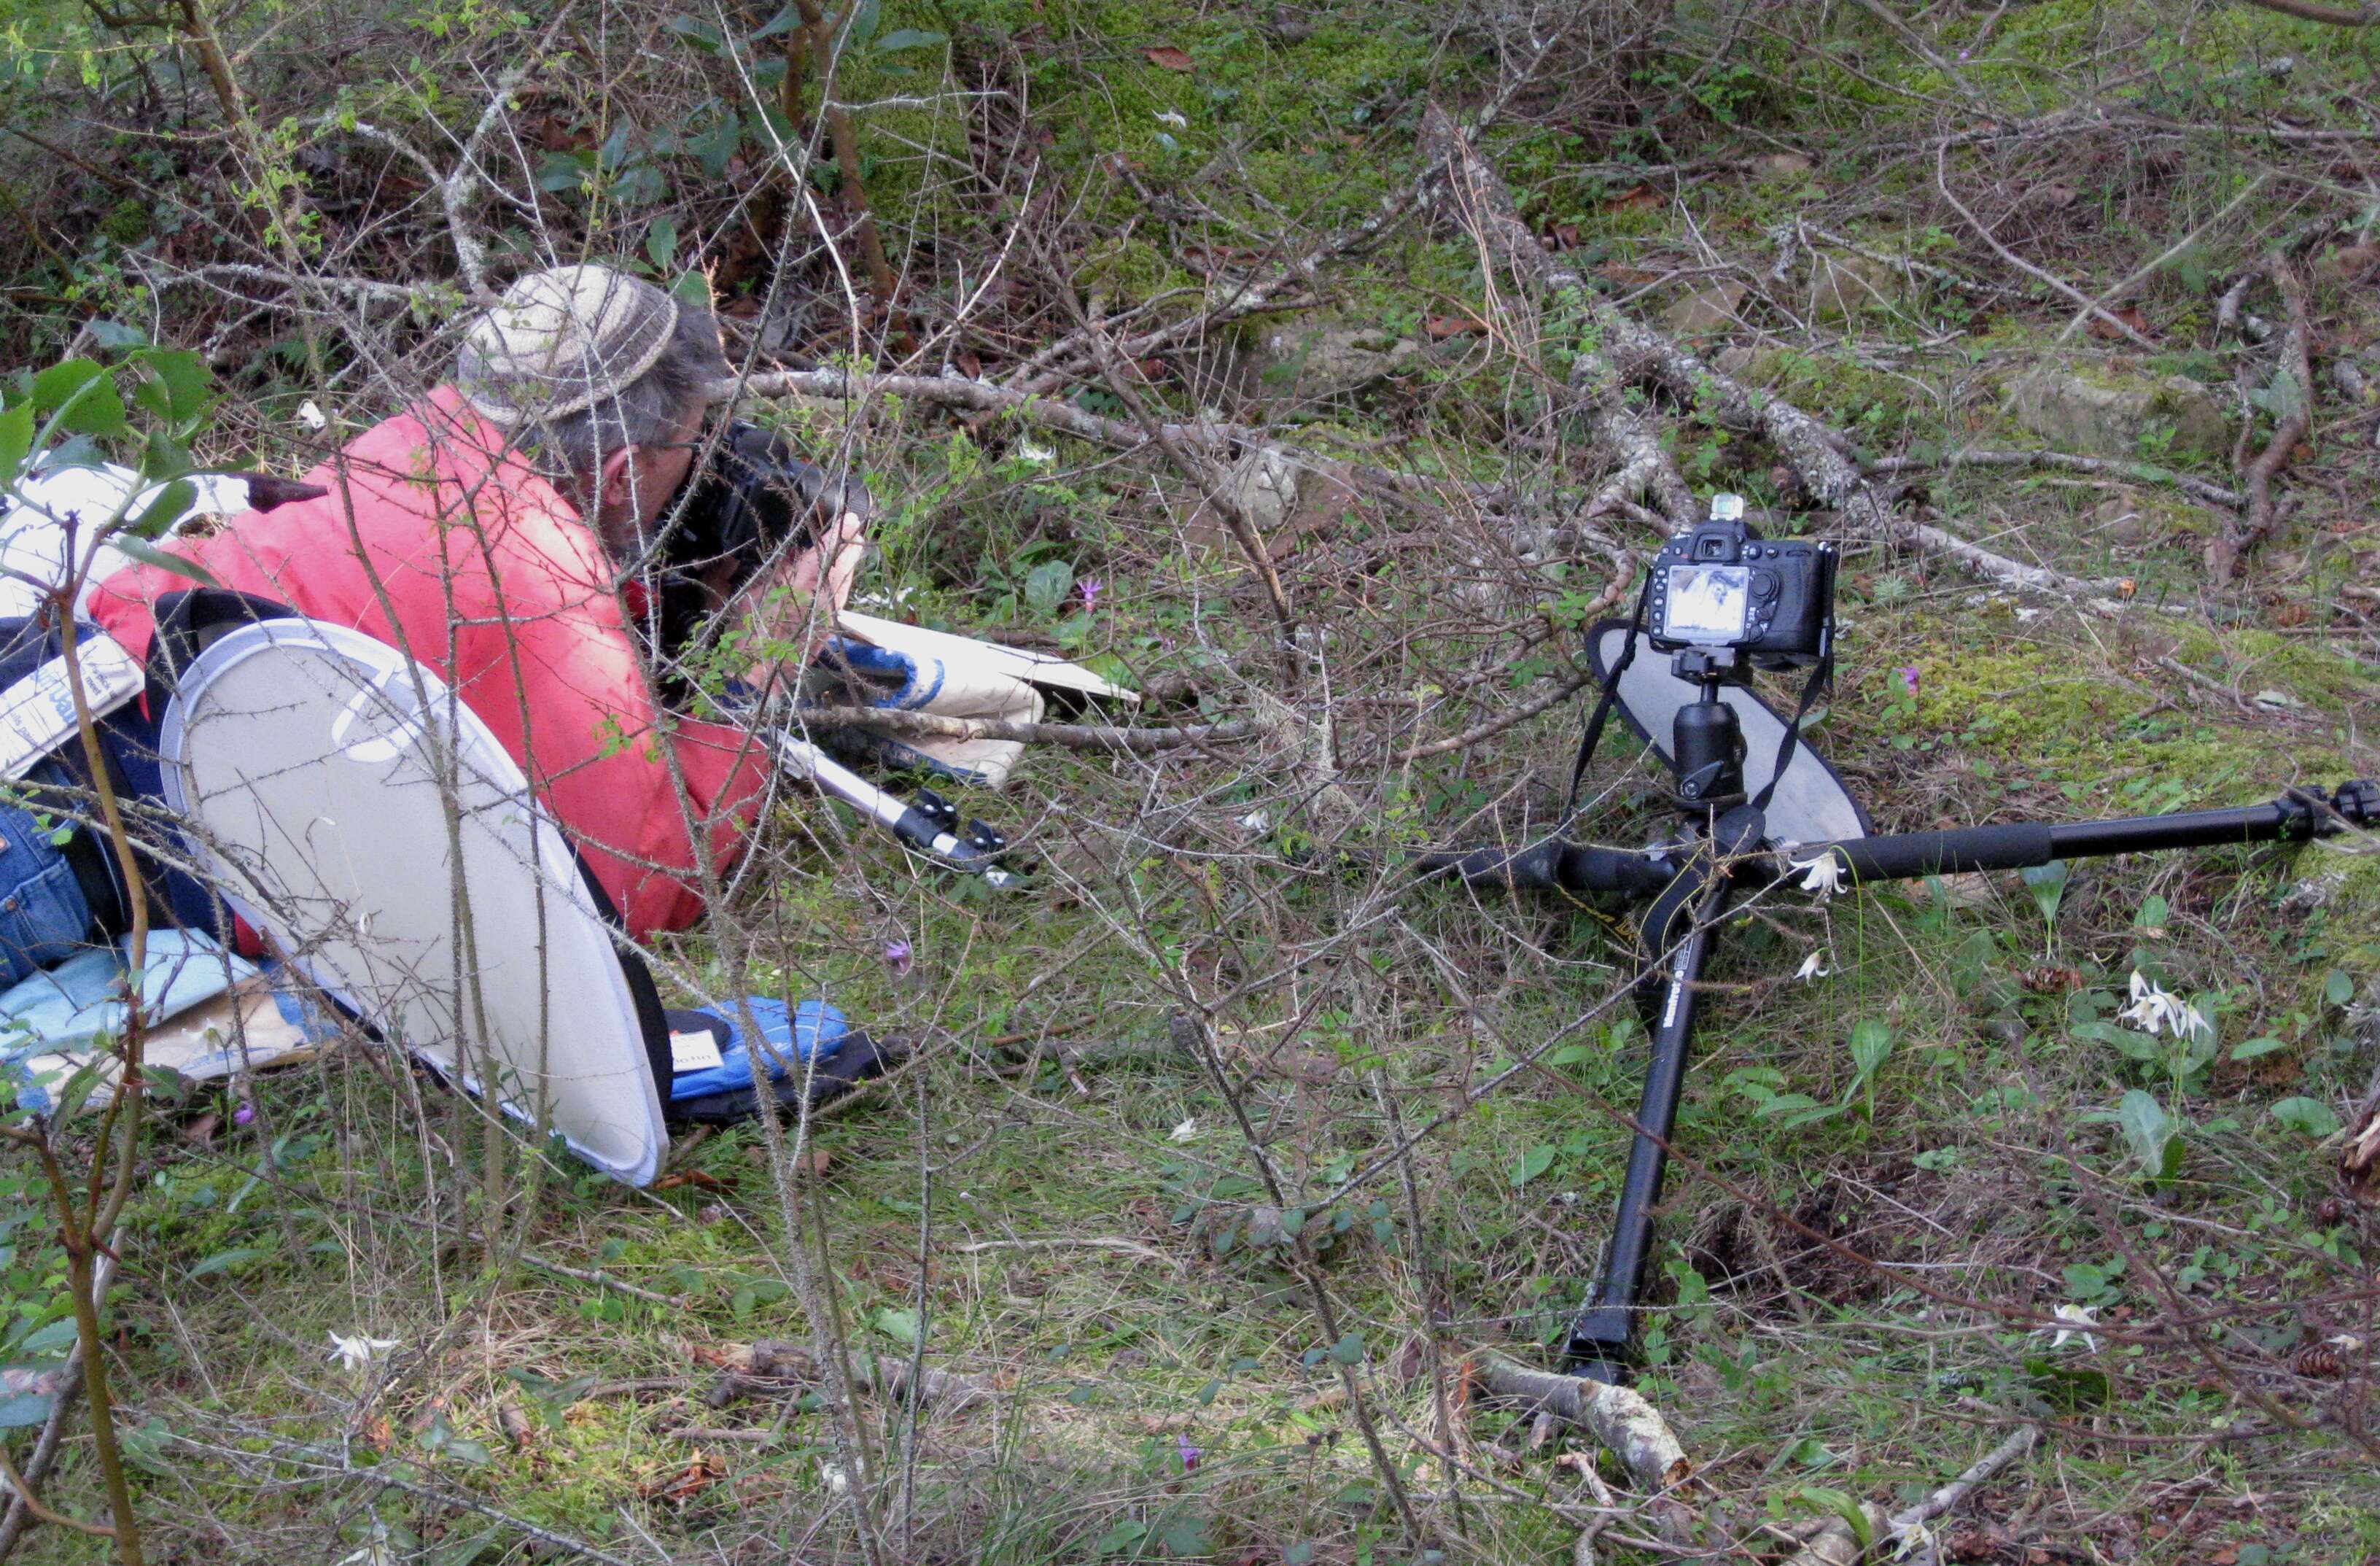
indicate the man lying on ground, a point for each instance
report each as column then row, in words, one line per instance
column 518, row 533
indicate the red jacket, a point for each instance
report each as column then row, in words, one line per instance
column 495, row 583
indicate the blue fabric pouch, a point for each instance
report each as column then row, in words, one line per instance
column 807, row 1030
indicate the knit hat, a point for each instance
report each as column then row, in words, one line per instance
column 562, row 340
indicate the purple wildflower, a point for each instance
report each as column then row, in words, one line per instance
column 1909, row 680
column 1190, row 1454
column 244, row 1114
column 898, row 955
column 1092, row 587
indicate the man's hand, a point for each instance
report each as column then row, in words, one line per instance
column 796, row 605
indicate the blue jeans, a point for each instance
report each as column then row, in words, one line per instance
column 43, row 916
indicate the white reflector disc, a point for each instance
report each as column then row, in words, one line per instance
column 1811, row 805
column 309, row 759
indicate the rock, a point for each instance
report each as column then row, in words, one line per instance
column 2076, row 413
column 2121, row 521
column 1844, row 286
column 1708, row 307
column 1266, row 486
column 1311, row 359
column 1753, row 365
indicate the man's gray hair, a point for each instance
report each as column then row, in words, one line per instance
column 648, row 411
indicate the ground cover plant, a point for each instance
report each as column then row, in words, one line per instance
column 1323, row 372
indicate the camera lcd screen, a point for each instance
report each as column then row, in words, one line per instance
column 1708, row 602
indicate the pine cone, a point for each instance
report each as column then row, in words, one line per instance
column 2317, row 1360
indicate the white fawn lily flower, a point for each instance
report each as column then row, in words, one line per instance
column 354, row 1353
column 1813, row 967
column 1187, row 1131
column 2156, row 1010
column 1825, row 873
column 1039, row 456
column 2077, row 1322
column 1168, row 116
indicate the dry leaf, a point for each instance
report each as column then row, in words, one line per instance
column 1441, row 327
column 2129, row 315
column 705, row 1470
column 517, row 1427
column 1640, row 199
column 1172, row 58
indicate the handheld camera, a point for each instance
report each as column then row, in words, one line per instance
column 754, row 496
column 1723, row 586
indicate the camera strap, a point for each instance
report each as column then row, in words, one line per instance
column 1603, row 706
column 1822, row 676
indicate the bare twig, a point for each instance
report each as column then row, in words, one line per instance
column 2289, row 428
column 1836, row 1545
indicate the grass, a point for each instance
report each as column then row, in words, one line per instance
column 1103, row 1251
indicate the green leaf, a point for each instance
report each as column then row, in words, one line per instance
column 865, row 15
column 784, row 21
column 63, row 382
column 26, row 1408
column 2154, row 1136
column 661, row 243
column 1533, row 1162
column 474, row 1455
column 2337, row 988
column 223, row 1261
column 16, row 441
column 1048, row 585
column 2153, row 915
column 184, row 377
column 1187, row 1538
column 898, row 1324
column 2047, row 885
column 910, row 38
column 2311, row 1116
column 1124, row 1536
column 114, row 335
column 696, row 31
column 1871, row 1045
column 148, row 554
column 57, row 1335
column 173, row 503
column 2256, row 1047
column 1348, row 1350
column 1825, row 1497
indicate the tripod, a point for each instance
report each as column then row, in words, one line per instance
column 1724, row 851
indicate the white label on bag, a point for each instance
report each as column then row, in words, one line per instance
column 37, row 714
column 697, row 1051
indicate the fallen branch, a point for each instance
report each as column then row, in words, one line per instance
column 1476, row 197
column 2112, row 467
column 1632, row 352
column 1064, row 417
column 1630, row 1427
column 1062, row 1242
column 2287, row 430
column 774, row 1366
column 1074, row 735
column 2008, row 572
column 1836, row 1545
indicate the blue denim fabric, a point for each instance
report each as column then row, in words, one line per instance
column 43, row 918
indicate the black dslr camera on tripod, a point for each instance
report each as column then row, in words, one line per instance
column 1753, row 805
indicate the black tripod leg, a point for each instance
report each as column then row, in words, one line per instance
column 1597, row 1340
